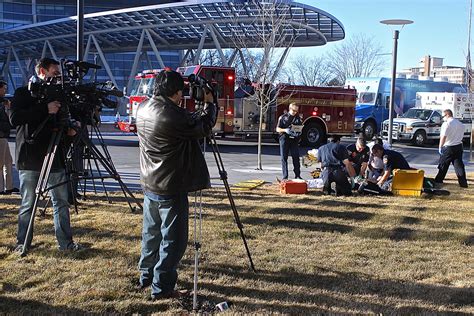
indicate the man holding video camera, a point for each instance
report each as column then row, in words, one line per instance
column 171, row 165
column 27, row 115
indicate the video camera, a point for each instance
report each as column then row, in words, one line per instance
column 199, row 87
column 80, row 99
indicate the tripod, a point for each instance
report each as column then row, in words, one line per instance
column 197, row 244
column 42, row 186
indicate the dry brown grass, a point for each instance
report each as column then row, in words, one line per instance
column 314, row 254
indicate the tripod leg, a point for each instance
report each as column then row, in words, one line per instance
column 223, row 175
column 102, row 181
column 40, row 187
column 109, row 167
column 92, row 175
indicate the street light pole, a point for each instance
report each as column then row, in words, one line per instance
column 402, row 23
column 80, row 30
column 392, row 88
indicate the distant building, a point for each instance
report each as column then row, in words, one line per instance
column 433, row 67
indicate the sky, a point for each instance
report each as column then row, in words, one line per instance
column 440, row 28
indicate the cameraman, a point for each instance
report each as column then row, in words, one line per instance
column 27, row 114
column 6, row 168
column 171, row 165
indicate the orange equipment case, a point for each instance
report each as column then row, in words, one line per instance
column 293, row 187
column 407, row 182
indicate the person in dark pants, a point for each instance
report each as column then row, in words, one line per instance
column 171, row 165
column 334, row 157
column 451, row 149
column 359, row 156
column 289, row 139
column 6, row 168
column 27, row 114
column 391, row 160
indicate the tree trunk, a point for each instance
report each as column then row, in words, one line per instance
column 259, row 144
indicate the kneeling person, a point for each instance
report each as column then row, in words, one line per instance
column 334, row 157
column 391, row 160
column 359, row 156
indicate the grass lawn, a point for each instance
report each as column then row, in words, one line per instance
column 314, row 254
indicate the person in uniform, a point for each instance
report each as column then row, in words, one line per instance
column 359, row 156
column 335, row 162
column 391, row 160
column 451, row 149
column 289, row 139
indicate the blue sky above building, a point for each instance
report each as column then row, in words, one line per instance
column 440, row 27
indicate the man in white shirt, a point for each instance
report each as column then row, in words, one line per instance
column 451, row 149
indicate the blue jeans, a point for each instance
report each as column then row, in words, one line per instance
column 287, row 146
column 164, row 240
column 62, row 225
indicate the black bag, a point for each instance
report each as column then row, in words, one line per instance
column 370, row 188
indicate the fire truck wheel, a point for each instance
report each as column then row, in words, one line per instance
column 369, row 130
column 314, row 135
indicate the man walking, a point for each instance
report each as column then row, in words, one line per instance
column 289, row 139
column 451, row 149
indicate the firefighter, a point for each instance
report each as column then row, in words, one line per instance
column 335, row 163
column 359, row 156
column 289, row 139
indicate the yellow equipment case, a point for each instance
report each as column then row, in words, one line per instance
column 407, row 182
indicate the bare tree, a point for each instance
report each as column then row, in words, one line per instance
column 265, row 44
column 307, row 71
column 358, row 56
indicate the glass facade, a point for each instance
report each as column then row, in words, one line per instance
column 15, row 13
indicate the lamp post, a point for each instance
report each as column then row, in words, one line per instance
column 402, row 23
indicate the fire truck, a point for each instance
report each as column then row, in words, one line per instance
column 221, row 78
column 324, row 111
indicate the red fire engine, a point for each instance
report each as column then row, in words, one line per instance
column 324, row 111
column 221, row 78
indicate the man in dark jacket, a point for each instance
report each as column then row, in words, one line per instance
column 171, row 165
column 336, row 166
column 27, row 114
column 6, row 168
column 392, row 160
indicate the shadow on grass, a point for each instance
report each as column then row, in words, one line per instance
column 31, row 307
column 396, row 234
column 356, row 215
column 313, row 226
column 335, row 203
column 352, row 284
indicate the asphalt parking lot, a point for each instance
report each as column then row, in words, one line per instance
column 240, row 160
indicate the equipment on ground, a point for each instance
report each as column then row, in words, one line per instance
column 407, row 182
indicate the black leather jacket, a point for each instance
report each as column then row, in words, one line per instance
column 171, row 160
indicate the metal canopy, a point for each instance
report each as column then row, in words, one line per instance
column 175, row 26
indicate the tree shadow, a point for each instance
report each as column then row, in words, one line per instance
column 31, row 307
column 311, row 226
column 356, row 215
column 401, row 233
column 352, row 205
column 353, row 284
